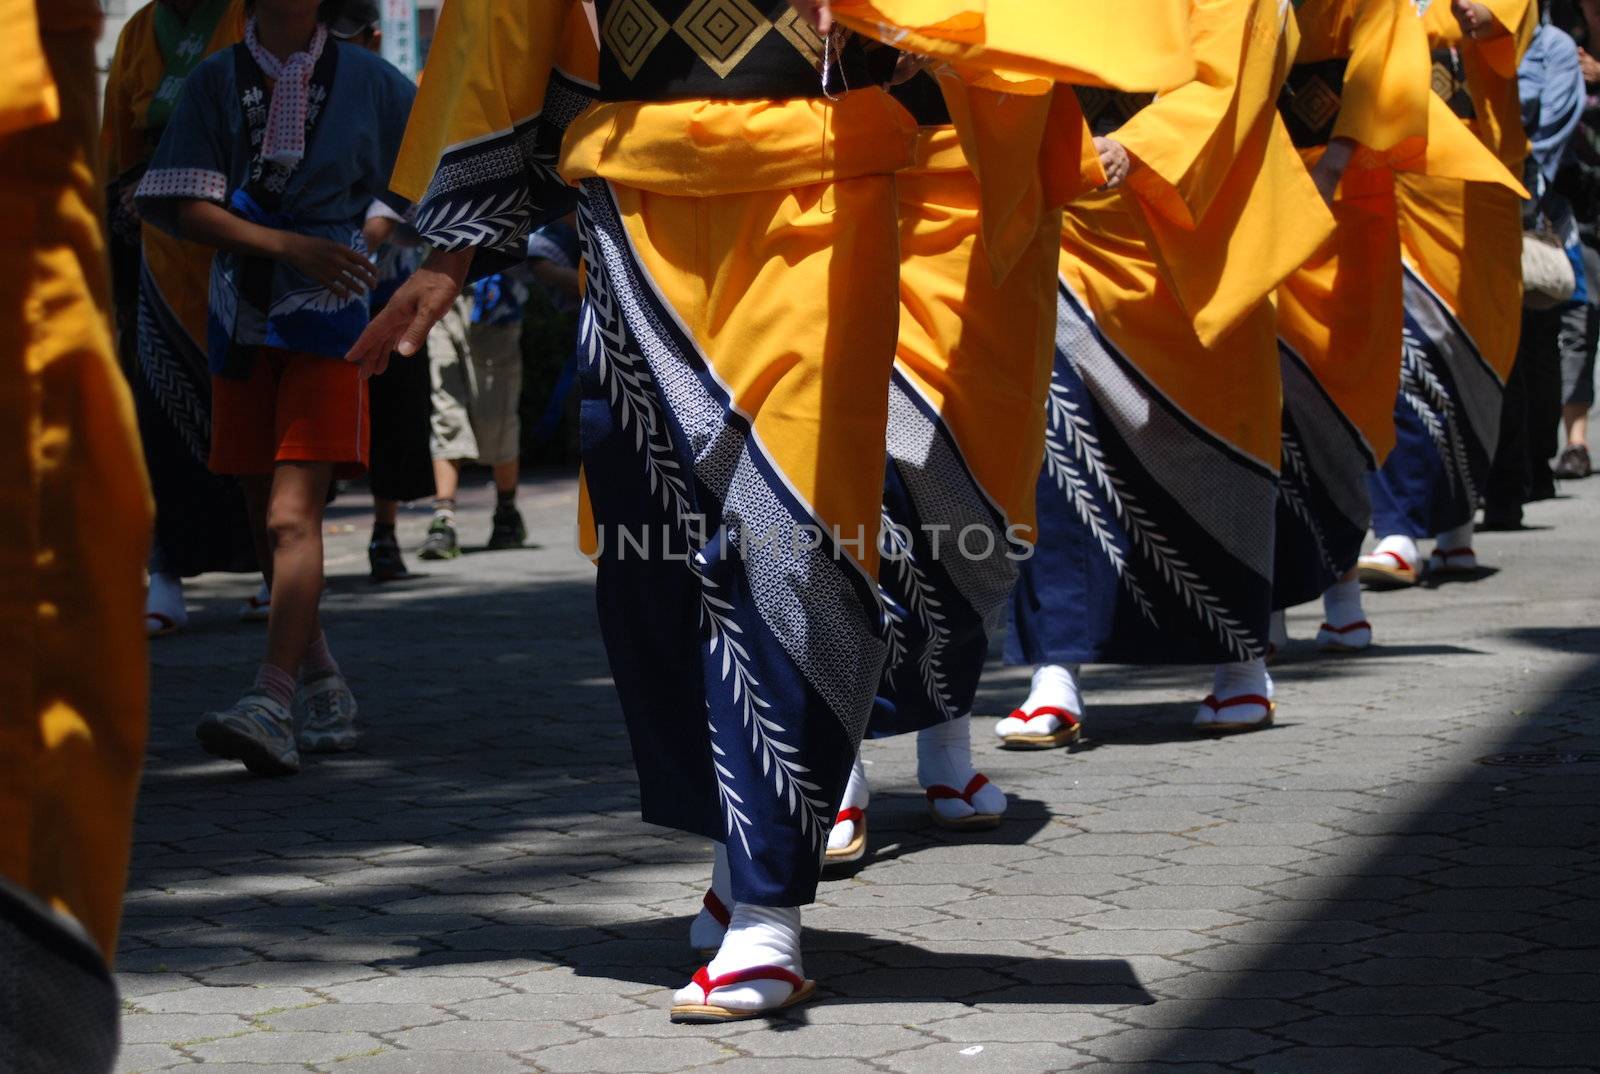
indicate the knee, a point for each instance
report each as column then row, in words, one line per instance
column 287, row 529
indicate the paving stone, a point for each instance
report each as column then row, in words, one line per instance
column 138, row 1058
column 1347, row 1060
column 685, row 1052
column 264, row 1046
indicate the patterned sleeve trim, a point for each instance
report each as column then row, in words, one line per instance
column 184, row 183
column 492, row 192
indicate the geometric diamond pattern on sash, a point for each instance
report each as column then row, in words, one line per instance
column 632, row 30
column 799, row 33
column 1315, row 103
column 722, row 32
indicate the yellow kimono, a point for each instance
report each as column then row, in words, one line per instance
column 1361, row 74
column 161, row 285
column 739, row 215
column 75, row 513
column 1463, row 289
column 1157, row 497
column 966, row 427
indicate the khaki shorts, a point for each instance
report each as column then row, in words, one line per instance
column 476, row 372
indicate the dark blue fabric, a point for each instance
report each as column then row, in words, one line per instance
column 1419, row 492
column 730, row 739
column 1072, row 605
column 938, row 643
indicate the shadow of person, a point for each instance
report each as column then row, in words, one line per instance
column 899, row 827
column 1477, row 574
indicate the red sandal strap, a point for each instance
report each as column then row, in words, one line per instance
column 974, row 785
column 709, row 984
column 716, row 908
column 1359, row 624
column 854, row 814
column 1398, row 558
column 1214, row 705
column 1066, row 716
column 1451, row 553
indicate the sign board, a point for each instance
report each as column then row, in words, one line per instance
column 401, row 45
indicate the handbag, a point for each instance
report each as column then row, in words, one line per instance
column 1548, row 279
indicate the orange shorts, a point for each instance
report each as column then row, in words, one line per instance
column 292, row 408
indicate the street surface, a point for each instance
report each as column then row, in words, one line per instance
column 1402, row 877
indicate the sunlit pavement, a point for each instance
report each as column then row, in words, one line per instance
column 1402, row 876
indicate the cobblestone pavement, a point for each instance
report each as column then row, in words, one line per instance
column 1354, row 890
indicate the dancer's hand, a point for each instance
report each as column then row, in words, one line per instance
column 343, row 271
column 1114, row 161
column 402, row 328
column 1476, row 20
column 819, row 13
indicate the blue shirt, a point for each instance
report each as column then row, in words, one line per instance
column 207, row 153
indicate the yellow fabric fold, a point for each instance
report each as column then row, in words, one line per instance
column 1225, row 203
column 28, row 96
column 1490, row 66
column 1187, row 141
column 1138, row 45
column 1031, row 155
column 739, row 147
column 487, row 72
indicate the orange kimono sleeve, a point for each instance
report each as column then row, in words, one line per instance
column 28, row 96
column 1138, row 45
column 1227, row 206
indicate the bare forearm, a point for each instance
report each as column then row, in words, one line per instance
column 212, row 225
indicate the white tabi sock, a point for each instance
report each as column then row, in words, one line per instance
column 1055, row 686
column 1344, row 626
column 944, row 758
column 1402, row 546
column 1341, row 604
column 1278, row 630
column 706, row 931
column 856, row 795
column 757, row 936
column 1460, row 537
column 1237, row 680
column 165, row 597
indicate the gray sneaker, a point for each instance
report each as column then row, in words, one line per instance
column 327, row 711
column 256, row 730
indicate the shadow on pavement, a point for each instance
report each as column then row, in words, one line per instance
column 1469, row 941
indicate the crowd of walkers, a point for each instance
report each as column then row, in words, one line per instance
column 1124, row 323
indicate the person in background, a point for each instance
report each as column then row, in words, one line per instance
column 273, row 155
column 75, row 508
column 1579, row 182
column 159, row 284
column 1550, row 82
column 475, row 361
column 401, row 469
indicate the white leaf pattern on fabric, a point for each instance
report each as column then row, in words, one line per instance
column 632, row 392
column 1296, row 476
column 1427, row 397
column 1069, row 423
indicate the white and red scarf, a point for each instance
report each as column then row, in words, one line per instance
column 285, row 141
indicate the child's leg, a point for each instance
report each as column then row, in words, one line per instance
column 294, row 532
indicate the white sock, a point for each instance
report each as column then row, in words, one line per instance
column 165, row 596
column 944, row 757
column 705, row 931
column 1460, row 537
column 1246, row 677
column 1341, row 604
column 1278, row 630
column 1055, row 686
column 1402, row 546
column 757, row 936
column 856, row 795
